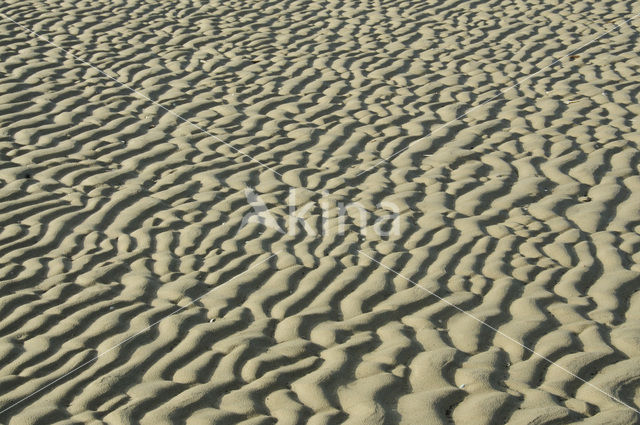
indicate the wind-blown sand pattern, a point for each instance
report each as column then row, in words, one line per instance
column 114, row 212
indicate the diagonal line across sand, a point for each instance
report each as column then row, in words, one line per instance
column 141, row 331
column 442, row 127
column 142, row 95
column 482, row 322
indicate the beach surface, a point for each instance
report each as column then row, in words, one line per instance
column 319, row 212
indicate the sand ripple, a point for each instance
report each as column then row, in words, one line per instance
column 113, row 212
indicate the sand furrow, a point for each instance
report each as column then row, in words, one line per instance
column 115, row 212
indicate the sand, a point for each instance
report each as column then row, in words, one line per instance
column 133, row 290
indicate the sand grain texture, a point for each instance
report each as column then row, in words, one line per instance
column 115, row 212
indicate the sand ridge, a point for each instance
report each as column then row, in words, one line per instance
column 115, row 212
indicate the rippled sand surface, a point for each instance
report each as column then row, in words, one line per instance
column 119, row 210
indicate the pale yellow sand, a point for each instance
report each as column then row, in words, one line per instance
column 525, row 213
